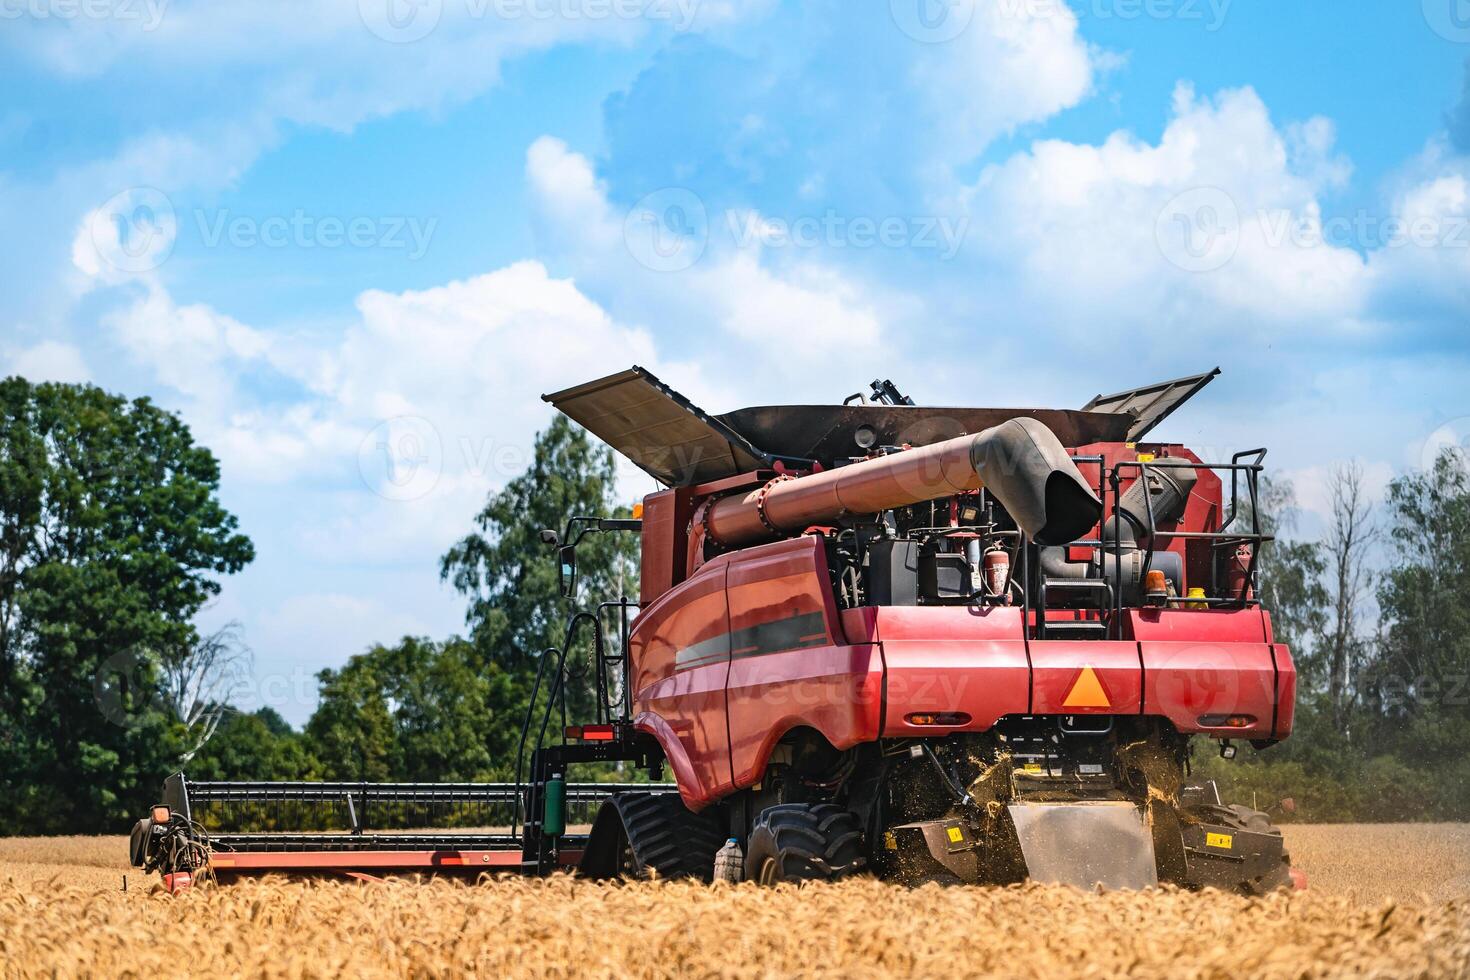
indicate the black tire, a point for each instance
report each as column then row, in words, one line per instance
column 803, row 842
column 647, row 835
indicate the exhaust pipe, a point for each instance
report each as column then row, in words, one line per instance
column 1020, row 462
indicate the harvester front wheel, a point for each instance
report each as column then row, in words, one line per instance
column 646, row 835
column 803, row 842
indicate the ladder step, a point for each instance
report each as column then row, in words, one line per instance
column 1077, row 593
column 1076, row 629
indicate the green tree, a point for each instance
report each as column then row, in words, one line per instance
column 111, row 539
column 510, row 577
column 416, row 711
column 259, row 745
column 1417, row 680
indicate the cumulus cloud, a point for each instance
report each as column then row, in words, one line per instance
column 1013, row 63
column 1222, row 220
column 771, row 311
column 48, row 360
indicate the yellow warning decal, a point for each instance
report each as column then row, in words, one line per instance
column 1223, row 841
column 956, row 835
column 1087, row 692
column 890, row 840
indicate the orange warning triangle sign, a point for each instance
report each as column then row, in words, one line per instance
column 1087, row 692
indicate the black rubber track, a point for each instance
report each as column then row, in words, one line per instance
column 804, row 842
column 655, row 834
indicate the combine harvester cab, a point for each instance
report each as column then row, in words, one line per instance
column 959, row 645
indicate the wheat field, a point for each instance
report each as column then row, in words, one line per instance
column 1386, row 901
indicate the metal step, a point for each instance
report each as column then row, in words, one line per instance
column 1076, row 629
column 1077, row 593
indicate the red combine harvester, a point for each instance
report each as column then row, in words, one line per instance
column 952, row 644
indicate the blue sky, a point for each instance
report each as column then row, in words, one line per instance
column 351, row 242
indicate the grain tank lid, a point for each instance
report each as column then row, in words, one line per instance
column 1151, row 404
column 834, row 433
column 660, row 430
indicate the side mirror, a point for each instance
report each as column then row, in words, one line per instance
column 549, row 537
column 566, row 557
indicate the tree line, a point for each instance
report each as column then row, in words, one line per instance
column 1377, row 613
column 112, row 540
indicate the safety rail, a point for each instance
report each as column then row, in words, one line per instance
column 1244, row 468
column 556, row 657
column 353, row 807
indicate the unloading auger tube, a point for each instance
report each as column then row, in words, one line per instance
column 1020, row 462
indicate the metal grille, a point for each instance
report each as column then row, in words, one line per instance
column 317, row 812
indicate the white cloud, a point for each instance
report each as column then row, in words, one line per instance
column 49, row 360
column 1222, row 216
column 399, row 427
column 774, row 311
column 1015, row 62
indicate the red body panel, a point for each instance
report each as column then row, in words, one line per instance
column 680, row 655
column 790, row 665
column 950, row 659
column 1057, row 671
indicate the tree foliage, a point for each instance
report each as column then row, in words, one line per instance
column 509, row 576
column 1383, row 711
column 111, row 539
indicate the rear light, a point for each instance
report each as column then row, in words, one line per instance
column 1226, row 721
column 941, row 718
column 161, row 814
column 591, row 733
